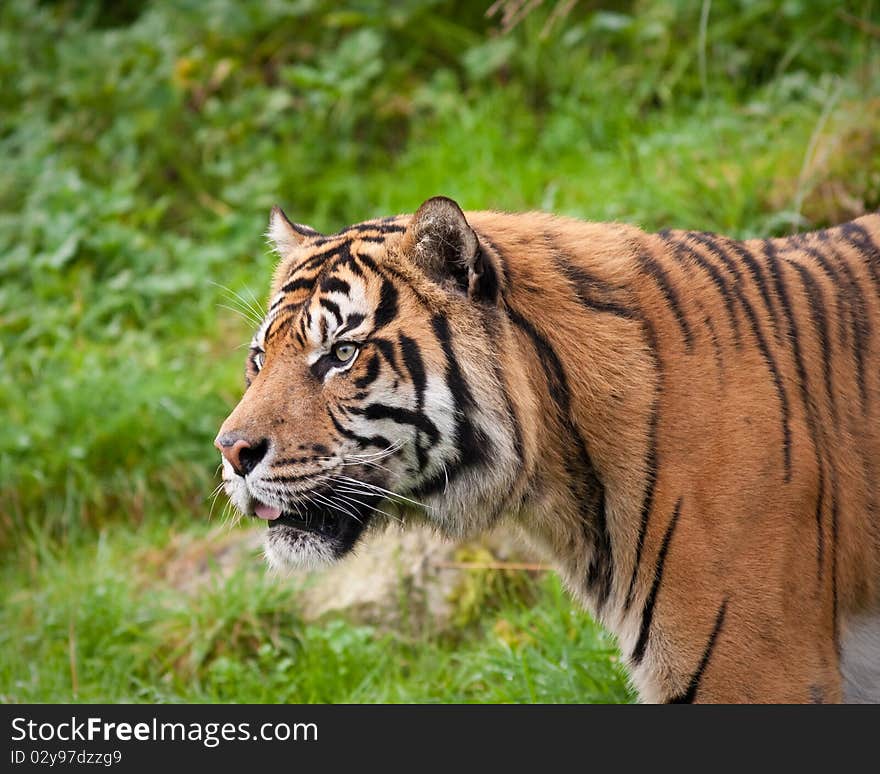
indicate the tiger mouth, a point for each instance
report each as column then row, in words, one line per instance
column 339, row 529
column 324, row 523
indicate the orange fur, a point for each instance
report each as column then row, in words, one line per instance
column 697, row 419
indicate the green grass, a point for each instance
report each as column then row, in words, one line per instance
column 115, row 621
column 142, row 145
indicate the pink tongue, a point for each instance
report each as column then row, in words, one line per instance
column 266, row 512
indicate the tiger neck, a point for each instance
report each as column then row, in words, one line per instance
column 589, row 370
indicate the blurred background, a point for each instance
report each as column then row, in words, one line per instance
column 141, row 147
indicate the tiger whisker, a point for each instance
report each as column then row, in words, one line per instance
column 253, row 308
column 395, row 446
column 391, row 495
column 371, row 507
column 330, row 504
column 213, row 496
column 242, row 304
column 375, row 465
column 352, row 463
column 255, row 302
column 241, row 313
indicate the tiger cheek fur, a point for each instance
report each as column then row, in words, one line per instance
column 688, row 425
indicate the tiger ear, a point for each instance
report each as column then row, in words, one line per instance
column 285, row 235
column 445, row 247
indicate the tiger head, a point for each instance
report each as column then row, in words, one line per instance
column 377, row 388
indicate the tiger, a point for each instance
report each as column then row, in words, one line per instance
column 686, row 425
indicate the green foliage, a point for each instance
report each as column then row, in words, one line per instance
column 485, row 589
column 81, row 625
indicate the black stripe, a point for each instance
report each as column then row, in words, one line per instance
column 472, row 444
column 584, row 285
column 648, row 611
column 711, row 243
column 362, row 441
column 402, row 416
column 763, row 347
column 379, row 226
column 352, row 320
column 348, row 260
column 313, row 260
column 287, row 308
column 294, row 461
column 390, row 271
column 647, row 503
column 551, row 364
column 694, row 685
column 590, row 489
column 412, row 359
column 299, row 228
column 333, row 308
column 386, row 311
column 600, row 572
column 321, row 367
column 663, row 282
column 859, row 317
column 371, row 374
column 279, row 322
column 759, row 279
column 794, row 338
column 334, row 284
column 680, row 249
column 814, row 425
column 859, row 238
column 289, row 479
column 849, row 302
column 360, row 231
column 386, row 347
column 819, row 316
column 298, row 284
column 849, row 293
column 651, row 467
column 518, row 446
column 841, row 300
column 713, row 339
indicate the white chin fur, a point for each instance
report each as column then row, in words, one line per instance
column 293, row 550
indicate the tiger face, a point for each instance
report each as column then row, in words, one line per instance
column 374, row 388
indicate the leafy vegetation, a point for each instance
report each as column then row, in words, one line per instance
column 142, row 145
column 110, row 621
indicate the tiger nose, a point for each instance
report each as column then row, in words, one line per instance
column 243, row 455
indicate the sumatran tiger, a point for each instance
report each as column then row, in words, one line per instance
column 687, row 424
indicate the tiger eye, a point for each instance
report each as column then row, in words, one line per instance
column 344, row 351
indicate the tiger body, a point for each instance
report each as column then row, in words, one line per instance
column 689, row 426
